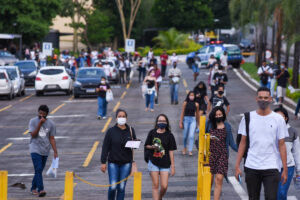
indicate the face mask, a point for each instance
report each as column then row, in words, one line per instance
column 216, row 68
column 220, row 92
column 263, row 104
column 102, row 82
column 219, row 119
column 152, row 74
column 121, row 121
column 42, row 116
column 192, row 98
column 271, row 61
column 162, row 125
column 281, row 67
column 220, row 71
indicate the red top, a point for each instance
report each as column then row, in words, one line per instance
column 164, row 59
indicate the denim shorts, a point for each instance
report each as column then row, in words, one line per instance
column 154, row 168
column 195, row 69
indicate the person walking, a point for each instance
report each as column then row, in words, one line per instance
column 158, row 81
column 224, row 60
column 293, row 155
column 128, row 69
column 202, row 98
column 266, row 150
column 195, row 66
column 174, row 75
column 275, row 68
column 174, row 58
column 160, row 146
column 265, row 73
column 283, row 78
column 164, row 62
column 221, row 139
column 42, row 131
column 101, row 89
column 122, row 70
column 119, row 159
column 150, row 80
column 219, row 99
column 188, row 122
column 141, row 69
column 220, row 78
column 213, row 70
column 297, row 109
column 150, row 55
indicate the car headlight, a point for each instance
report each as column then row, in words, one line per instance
column 77, row 83
column 32, row 73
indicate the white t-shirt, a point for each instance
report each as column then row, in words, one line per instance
column 265, row 69
column 264, row 133
column 173, row 59
column 223, row 60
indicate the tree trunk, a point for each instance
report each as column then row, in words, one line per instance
column 287, row 53
column 260, row 45
column 295, row 81
column 135, row 5
column 278, row 35
column 120, row 4
column 273, row 39
column 115, row 43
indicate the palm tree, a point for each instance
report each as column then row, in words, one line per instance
column 170, row 39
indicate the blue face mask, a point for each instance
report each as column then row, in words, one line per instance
column 162, row 125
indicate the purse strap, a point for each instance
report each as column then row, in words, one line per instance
column 130, row 128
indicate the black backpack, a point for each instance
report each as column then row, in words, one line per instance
column 239, row 136
column 264, row 77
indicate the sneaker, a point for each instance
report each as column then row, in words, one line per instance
column 275, row 103
column 103, row 117
column 99, row 117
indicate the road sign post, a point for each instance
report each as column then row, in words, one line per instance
column 130, row 45
column 47, row 48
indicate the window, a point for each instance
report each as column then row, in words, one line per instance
column 211, row 49
column 203, row 50
column 51, row 71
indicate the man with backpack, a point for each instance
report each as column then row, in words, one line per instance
column 263, row 147
column 265, row 73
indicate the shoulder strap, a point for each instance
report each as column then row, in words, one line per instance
column 131, row 132
column 247, row 121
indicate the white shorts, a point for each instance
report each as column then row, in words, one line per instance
column 280, row 91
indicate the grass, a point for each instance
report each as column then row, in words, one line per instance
column 251, row 69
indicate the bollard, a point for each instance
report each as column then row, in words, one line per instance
column 206, row 184
column 200, row 157
column 207, row 145
column 68, row 195
column 137, row 186
column 3, row 185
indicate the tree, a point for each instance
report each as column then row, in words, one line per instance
column 31, row 18
column 184, row 15
column 220, row 9
column 170, row 39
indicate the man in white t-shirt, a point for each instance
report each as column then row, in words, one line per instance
column 267, row 151
column 224, row 60
column 265, row 73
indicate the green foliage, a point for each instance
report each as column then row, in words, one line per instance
column 31, row 18
column 170, row 39
column 183, row 14
column 220, row 9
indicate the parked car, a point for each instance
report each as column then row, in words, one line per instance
column 29, row 68
column 247, row 45
column 7, row 58
column 52, row 79
column 234, row 53
column 110, row 69
column 87, row 80
column 6, row 85
column 17, row 79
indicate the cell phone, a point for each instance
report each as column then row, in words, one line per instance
column 240, row 179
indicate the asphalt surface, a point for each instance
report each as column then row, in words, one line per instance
column 78, row 130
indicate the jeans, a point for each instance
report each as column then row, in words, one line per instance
column 254, row 178
column 73, row 69
column 122, row 74
column 39, row 163
column 150, row 100
column 298, row 107
column 128, row 70
column 43, row 63
column 272, row 86
column 102, row 106
column 116, row 173
column 174, row 92
column 157, row 92
column 142, row 74
column 266, row 85
column 189, row 127
column 163, row 70
column 283, row 189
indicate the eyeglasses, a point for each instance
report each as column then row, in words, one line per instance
column 163, row 121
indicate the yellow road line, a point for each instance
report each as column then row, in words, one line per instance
column 117, row 106
column 5, row 147
column 128, row 85
column 5, row 108
column 63, row 195
column 184, row 83
column 106, row 125
column 123, row 95
column 187, row 91
column 25, row 98
column 71, row 98
column 57, row 108
column 91, row 154
column 26, row 132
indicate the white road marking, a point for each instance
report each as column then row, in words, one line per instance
column 292, row 198
column 64, row 116
column 115, row 86
column 238, row 188
column 81, row 101
column 27, row 138
column 20, row 175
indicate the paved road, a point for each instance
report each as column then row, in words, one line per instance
column 79, row 131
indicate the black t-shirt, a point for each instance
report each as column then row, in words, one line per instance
column 200, row 96
column 166, row 143
column 283, row 79
column 219, row 101
column 113, row 148
column 220, row 77
column 105, row 86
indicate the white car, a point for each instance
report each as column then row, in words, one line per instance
column 6, row 85
column 17, row 79
column 110, row 69
column 52, row 79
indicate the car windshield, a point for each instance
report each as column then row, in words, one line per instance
column 90, row 73
column 2, row 76
column 107, row 63
column 5, row 54
column 51, row 71
column 26, row 66
column 12, row 73
column 233, row 49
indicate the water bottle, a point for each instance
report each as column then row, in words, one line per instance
column 297, row 183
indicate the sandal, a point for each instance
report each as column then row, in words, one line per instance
column 42, row 194
column 34, row 192
column 190, row 153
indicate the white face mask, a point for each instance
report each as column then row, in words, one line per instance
column 281, row 67
column 102, row 82
column 271, row 61
column 121, row 121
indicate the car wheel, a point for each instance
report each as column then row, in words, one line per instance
column 19, row 93
column 10, row 96
column 236, row 65
column 23, row 92
column 68, row 92
column 76, row 96
column 39, row 93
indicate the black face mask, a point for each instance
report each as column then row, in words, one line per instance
column 219, row 119
column 220, row 92
column 42, row 116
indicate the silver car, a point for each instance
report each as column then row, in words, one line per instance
column 7, row 58
column 17, row 79
column 6, row 85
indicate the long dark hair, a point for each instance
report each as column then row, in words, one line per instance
column 187, row 99
column 204, row 87
column 212, row 116
column 168, row 128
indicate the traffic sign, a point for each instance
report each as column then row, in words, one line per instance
column 47, row 48
column 130, row 45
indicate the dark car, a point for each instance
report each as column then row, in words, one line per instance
column 247, row 45
column 87, row 80
column 29, row 68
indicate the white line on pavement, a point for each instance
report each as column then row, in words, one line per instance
column 27, row 138
column 292, row 198
column 80, row 101
column 20, row 175
column 64, row 116
column 238, row 188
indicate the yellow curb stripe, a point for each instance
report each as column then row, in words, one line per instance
column 91, row 154
column 25, row 98
column 5, row 147
column 71, row 98
column 187, row 91
column 5, row 108
column 184, row 83
column 26, row 132
column 57, row 108
column 117, row 106
column 106, row 125
column 123, row 95
column 128, row 85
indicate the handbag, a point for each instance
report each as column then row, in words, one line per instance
column 133, row 164
column 109, row 96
